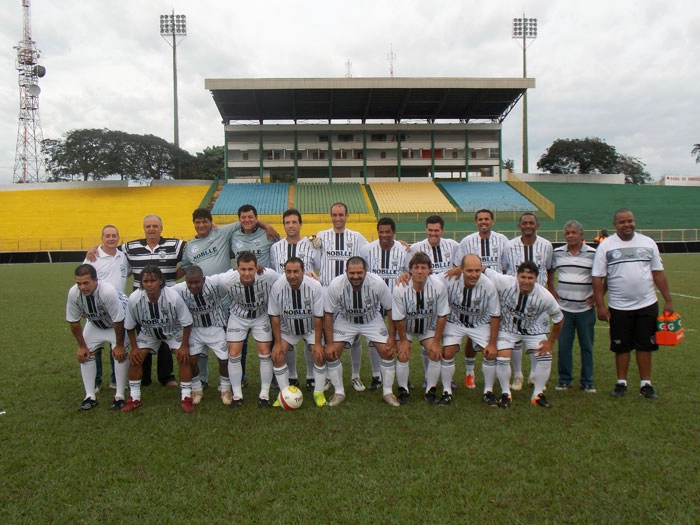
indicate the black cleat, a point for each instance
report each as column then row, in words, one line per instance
column 541, row 401
column 619, row 391
column 275, row 385
column 490, row 399
column 430, row 396
column 87, row 404
column 294, row 382
column 505, row 401
column 375, row 384
column 648, row 392
column 310, row 385
column 404, row 396
column 263, row 403
column 236, row 402
column 117, row 404
column 446, row 399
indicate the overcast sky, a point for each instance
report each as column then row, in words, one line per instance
column 624, row 71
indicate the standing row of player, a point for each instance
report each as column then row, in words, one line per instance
column 493, row 312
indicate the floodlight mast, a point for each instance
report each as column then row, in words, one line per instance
column 173, row 26
column 524, row 29
column 29, row 164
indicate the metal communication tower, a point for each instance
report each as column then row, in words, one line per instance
column 29, row 165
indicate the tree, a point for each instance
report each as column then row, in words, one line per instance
column 634, row 170
column 696, row 152
column 589, row 155
column 508, row 164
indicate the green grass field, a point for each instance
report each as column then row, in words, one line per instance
column 590, row 459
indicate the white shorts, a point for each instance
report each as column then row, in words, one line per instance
column 309, row 338
column 374, row 332
column 238, row 328
column 421, row 337
column 454, row 333
column 204, row 337
column 507, row 341
column 95, row 338
column 152, row 344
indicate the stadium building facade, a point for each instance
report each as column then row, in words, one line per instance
column 364, row 128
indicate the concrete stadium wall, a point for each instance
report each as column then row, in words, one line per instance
column 613, row 178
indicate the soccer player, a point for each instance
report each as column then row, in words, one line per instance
column 489, row 245
column 104, row 309
column 630, row 265
column 388, row 259
column 206, row 299
column 162, row 317
column 249, row 296
column 296, row 313
column 419, row 310
column 526, row 307
column 294, row 245
column 474, row 312
column 352, row 308
column 338, row 245
column 574, row 293
column 527, row 247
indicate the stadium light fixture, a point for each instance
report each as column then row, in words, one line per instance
column 524, row 29
column 172, row 27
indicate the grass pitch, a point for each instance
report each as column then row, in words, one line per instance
column 590, row 459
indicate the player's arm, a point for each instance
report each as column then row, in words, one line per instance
column 551, row 284
column 83, row 350
column 136, row 356
column 661, row 283
column 280, row 345
column 271, row 232
column 119, row 352
column 491, row 349
column 599, row 295
column 547, row 345
column 328, row 327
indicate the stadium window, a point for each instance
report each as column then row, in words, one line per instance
column 382, row 154
column 323, row 138
column 493, row 153
column 472, row 154
column 345, row 137
column 245, row 155
column 378, row 138
column 404, row 154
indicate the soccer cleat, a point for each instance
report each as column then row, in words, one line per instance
column 171, row 384
column 505, row 401
column 490, row 399
column 310, row 385
column 446, row 399
column 294, row 382
column 541, row 401
column 277, row 404
column 430, row 396
column 197, row 396
column 87, row 404
column 469, row 381
column 131, row 405
column 236, row 402
column 410, row 386
column 357, row 384
column 404, row 396
column 336, row 400
column 328, row 385
column 187, row 405
column 375, row 384
column 97, row 389
column 531, row 379
column 588, row 389
column 226, row 397
column 263, row 403
column 562, row 386
column 320, row 399
column 117, row 404
column 112, row 386
column 517, row 384
column 648, row 392
column 275, row 385
column 390, row 399
column 205, row 385
column 620, row 390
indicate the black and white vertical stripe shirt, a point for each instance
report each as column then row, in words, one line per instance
column 420, row 310
column 297, row 309
column 104, row 307
column 472, row 307
column 490, row 250
column 249, row 302
column 540, row 252
column 442, row 256
column 208, row 308
column 282, row 251
column 387, row 264
column 160, row 320
column 357, row 306
column 336, row 249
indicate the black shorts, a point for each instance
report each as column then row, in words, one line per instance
column 633, row 329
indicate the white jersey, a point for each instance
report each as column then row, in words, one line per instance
column 249, row 302
column 161, row 320
column 516, row 253
column 387, row 264
column 357, row 306
column 472, row 307
column 490, row 250
column 297, row 309
column 282, row 250
column 209, row 308
column 575, row 282
column 420, row 310
column 442, row 256
column 336, row 249
column 628, row 266
column 524, row 314
column 102, row 309
column 113, row 269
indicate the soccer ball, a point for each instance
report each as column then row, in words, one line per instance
column 291, row 398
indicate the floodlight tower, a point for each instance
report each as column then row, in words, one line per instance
column 29, row 165
column 524, row 29
column 173, row 26
column 391, row 57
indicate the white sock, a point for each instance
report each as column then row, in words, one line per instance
column 235, row 375
column 266, row 375
column 503, row 373
column 291, row 361
column 447, row 373
column 320, row 374
column 402, row 374
column 121, row 372
column 469, row 363
column 282, row 375
column 309, row 358
column 488, row 368
column 516, row 357
column 197, row 384
column 335, row 373
column 374, row 360
column 356, row 357
column 88, row 370
column 432, row 375
column 135, row 389
column 388, row 372
column 224, row 384
column 542, row 371
column 185, row 389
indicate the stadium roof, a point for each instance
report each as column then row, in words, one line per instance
column 394, row 98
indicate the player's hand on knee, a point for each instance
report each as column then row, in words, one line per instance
column 119, row 353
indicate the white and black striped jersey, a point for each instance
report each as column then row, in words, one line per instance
column 297, row 309
column 282, row 250
column 166, row 254
column 420, row 310
column 472, row 307
column 490, row 250
column 387, row 264
column 540, row 252
column 524, row 314
column 575, row 280
column 249, row 302
column 357, row 306
column 161, row 320
column 442, row 256
column 102, row 309
column 336, row 249
column 209, row 308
